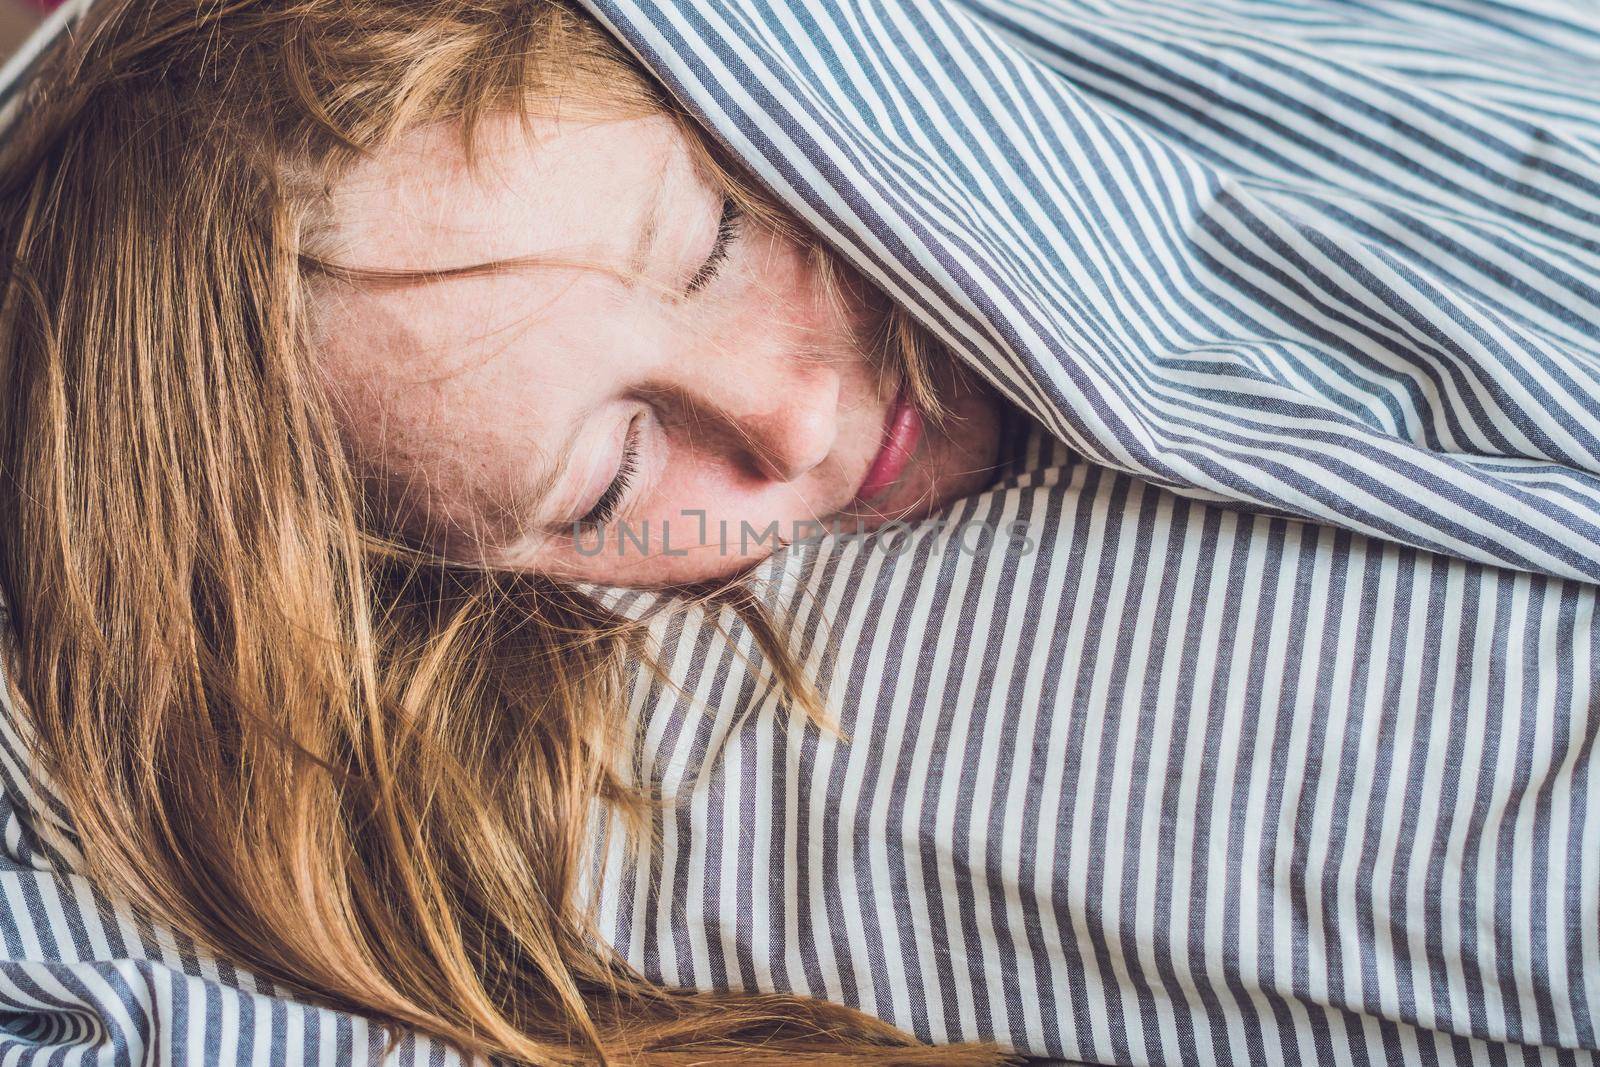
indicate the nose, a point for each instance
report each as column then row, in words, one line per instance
column 788, row 441
column 779, row 420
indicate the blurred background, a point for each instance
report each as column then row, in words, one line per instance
column 17, row 17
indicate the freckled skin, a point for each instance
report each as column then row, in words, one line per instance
column 753, row 400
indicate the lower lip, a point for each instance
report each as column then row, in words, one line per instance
column 901, row 432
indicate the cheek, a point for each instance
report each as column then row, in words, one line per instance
column 834, row 308
column 694, row 484
column 773, row 287
column 724, row 520
column 701, row 521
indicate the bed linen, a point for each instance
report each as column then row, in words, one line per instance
column 1272, row 739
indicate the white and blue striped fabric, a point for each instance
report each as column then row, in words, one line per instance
column 1266, row 733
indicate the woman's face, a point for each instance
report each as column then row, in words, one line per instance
column 640, row 420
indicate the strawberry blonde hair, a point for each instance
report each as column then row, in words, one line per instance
column 361, row 771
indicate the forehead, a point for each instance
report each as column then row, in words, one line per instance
column 537, row 187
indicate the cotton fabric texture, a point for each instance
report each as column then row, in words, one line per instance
column 1273, row 740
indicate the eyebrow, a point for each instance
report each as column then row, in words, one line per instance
column 545, row 484
column 640, row 256
column 511, row 509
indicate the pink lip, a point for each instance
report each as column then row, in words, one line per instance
column 902, row 429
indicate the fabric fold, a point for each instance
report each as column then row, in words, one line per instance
column 1245, row 251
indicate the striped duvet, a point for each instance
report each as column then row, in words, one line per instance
column 1271, row 737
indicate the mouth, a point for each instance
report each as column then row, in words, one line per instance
column 902, row 429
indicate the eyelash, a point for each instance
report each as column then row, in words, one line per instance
column 605, row 509
column 728, row 227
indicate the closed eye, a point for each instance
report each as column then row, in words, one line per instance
column 605, row 509
column 728, row 228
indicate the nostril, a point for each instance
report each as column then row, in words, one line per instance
column 788, row 452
